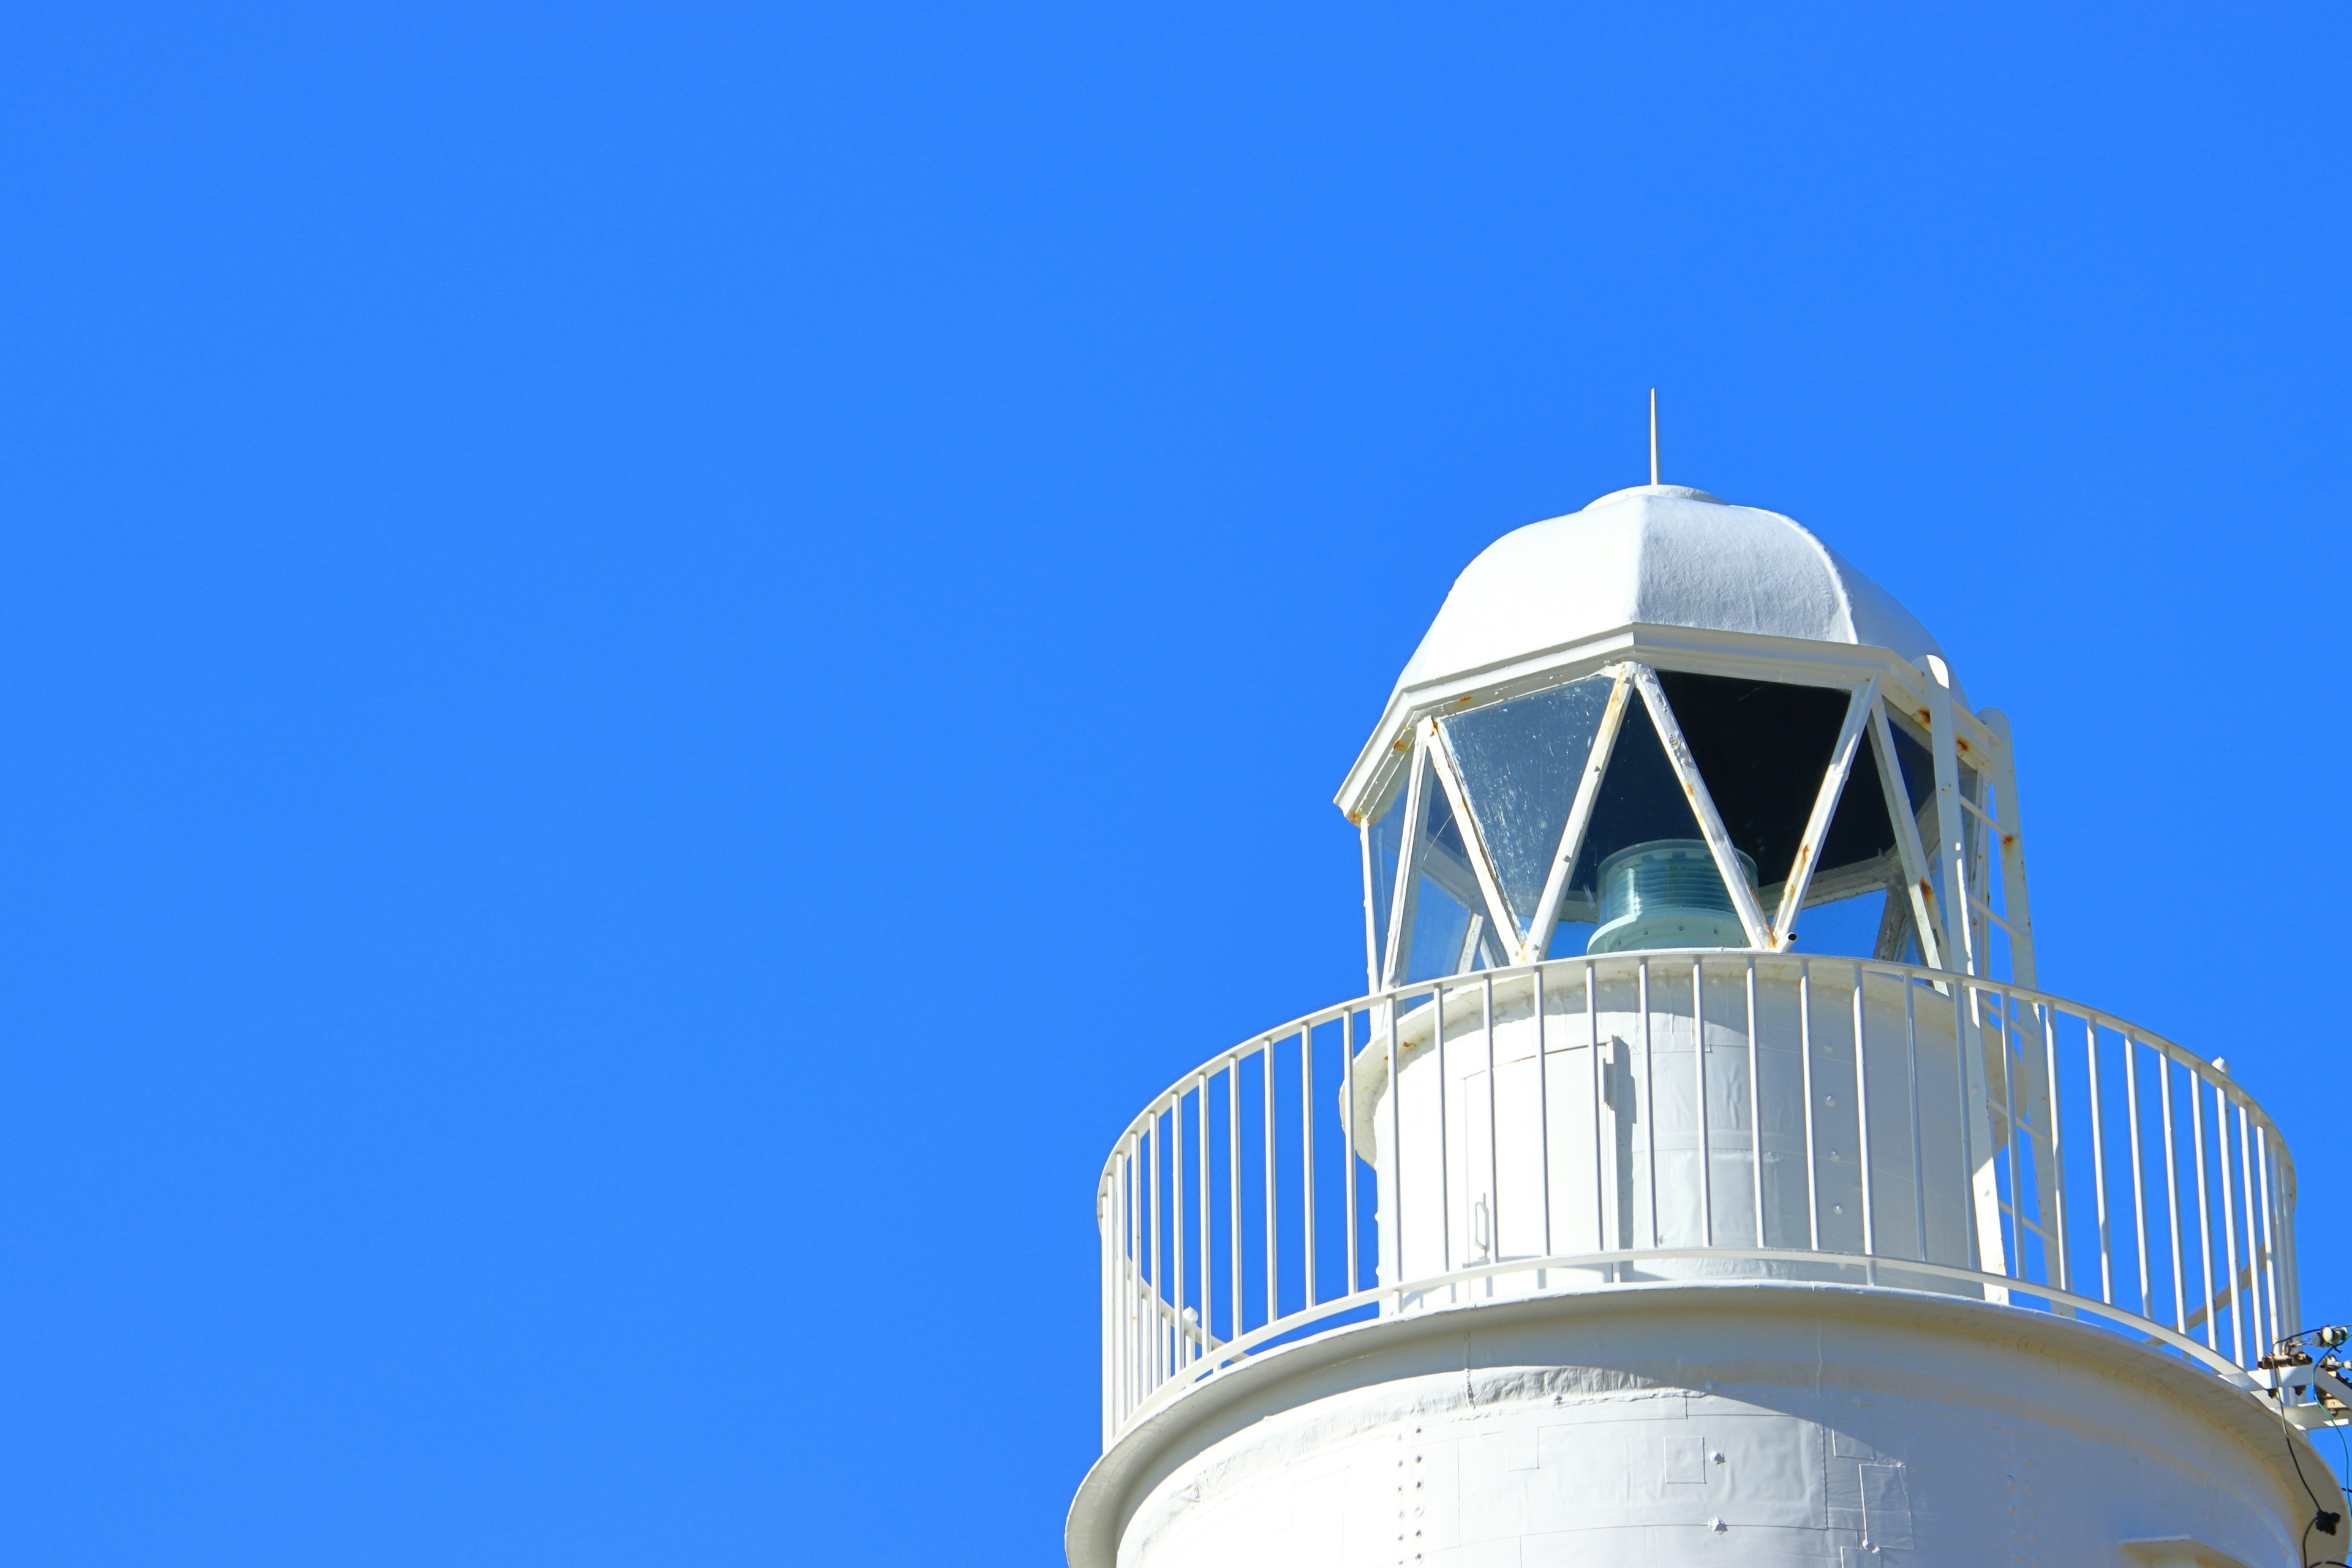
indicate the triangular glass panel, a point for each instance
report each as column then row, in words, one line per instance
column 1450, row 932
column 1384, row 843
column 1645, row 876
column 1449, row 937
column 1520, row 762
column 1763, row 749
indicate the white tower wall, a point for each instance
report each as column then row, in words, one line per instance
column 1576, row 1156
column 1679, row 1424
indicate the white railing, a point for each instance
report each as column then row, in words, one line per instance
column 1863, row 1121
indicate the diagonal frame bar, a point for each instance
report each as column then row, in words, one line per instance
column 1914, row 854
column 1817, row 826
column 1710, row 821
column 1482, row 864
column 1579, row 817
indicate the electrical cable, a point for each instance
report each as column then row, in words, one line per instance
column 2303, row 1549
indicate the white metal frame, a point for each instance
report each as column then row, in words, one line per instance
column 1188, row 1289
column 1974, row 801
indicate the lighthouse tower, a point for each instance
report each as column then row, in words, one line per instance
column 1703, row 1177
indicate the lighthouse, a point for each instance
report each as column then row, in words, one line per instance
column 1704, row 1175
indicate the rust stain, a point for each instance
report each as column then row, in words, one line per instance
column 1357, row 817
column 1804, row 853
column 1403, row 743
column 2008, row 841
column 1927, row 720
column 1927, row 889
column 1961, row 742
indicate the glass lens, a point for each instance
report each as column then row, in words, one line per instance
column 1521, row 762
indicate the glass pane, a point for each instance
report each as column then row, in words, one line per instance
column 1568, row 939
column 1449, row 931
column 1640, row 801
column 1850, row 926
column 1763, row 750
column 1521, row 762
column 1440, row 932
column 1643, row 875
column 1385, row 834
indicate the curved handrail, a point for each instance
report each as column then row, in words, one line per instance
column 2179, row 1054
column 1233, row 1352
column 1171, row 1195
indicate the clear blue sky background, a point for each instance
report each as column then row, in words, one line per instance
column 657, row 663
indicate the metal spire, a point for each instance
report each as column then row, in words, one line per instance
column 1654, row 435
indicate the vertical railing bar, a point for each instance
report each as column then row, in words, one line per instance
column 1755, row 1109
column 1132, row 1298
column 2016, row 1232
column 2253, row 1305
column 1393, row 1215
column 1233, row 1191
column 1911, row 1078
column 2205, row 1293
column 1347, row 1140
column 1805, row 1057
column 1118, row 1395
column 1306, row 1149
column 2098, row 1156
column 1154, row 1364
column 1649, row 1092
column 1706, row 1135
column 2229, row 1230
column 1126, row 1290
column 2139, row 1176
column 1134, row 1178
column 2270, row 1245
column 2172, row 1189
column 1138, row 1371
column 1862, row 1120
column 1109, row 1339
column 1972, row 1105
column 1272, row 1223
column 1446, row 1264
column 1208, row 1290
column 1543, row 1107
column 2046, row 1021
column 1493, row 1163
column 1599, row 1197
column 1103, row 1208
column 1179, row 1350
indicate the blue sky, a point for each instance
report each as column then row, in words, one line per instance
column 657, row 663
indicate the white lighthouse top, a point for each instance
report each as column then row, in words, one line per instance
column 1655, row 555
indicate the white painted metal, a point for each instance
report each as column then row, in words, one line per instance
column 1926, row 917
column 1755, row 1256
column 1557, row 1147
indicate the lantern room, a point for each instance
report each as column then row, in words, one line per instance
column 1665, row 722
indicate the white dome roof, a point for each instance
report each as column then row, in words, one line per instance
column 1655, row 555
